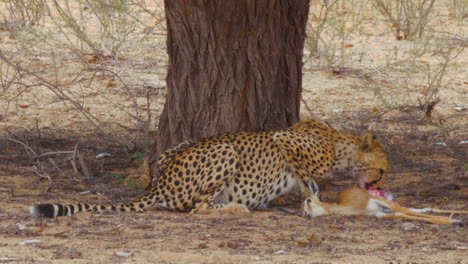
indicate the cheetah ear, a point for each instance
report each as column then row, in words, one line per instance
column 368, row 142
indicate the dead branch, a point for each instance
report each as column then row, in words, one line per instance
column 307, row 107
column 55, row 165
column 84, row 166
column 42, row 174
column 29, row 150
column 456, row 184
column 55, row 88
column 8, row 156
column 429, row 108
column 55, row 153
column 73, row 160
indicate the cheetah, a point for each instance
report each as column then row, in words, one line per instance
column 238, row 172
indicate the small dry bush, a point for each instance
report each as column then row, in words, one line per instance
column 20, row 14
column 418, row 65
column 81, row 44
column 331, row 25
column 458, row 8
column 407, row 18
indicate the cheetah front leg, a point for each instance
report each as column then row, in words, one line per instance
column 309, row 156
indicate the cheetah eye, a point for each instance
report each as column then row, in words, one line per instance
column 381, row 172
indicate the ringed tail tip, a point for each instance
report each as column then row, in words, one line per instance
column 44, row 210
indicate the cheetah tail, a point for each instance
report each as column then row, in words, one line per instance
column 56, row 210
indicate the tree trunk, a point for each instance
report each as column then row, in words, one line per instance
column 234, row 65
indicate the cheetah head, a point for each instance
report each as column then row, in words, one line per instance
column 372, row 164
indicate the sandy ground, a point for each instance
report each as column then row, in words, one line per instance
column 429, row 158
column 258, row 237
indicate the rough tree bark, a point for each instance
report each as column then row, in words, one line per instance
column 234, row 65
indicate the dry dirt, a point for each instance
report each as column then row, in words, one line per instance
column 429, row 165
column 258, row 237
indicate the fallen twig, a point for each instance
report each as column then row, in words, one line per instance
column 456, row 184
column 55, row 153
column 43, row 174
column 84, row 166
column 29, row 150
column 56, row 89
column 73, row 160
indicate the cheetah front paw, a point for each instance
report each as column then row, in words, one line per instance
column 235, row 208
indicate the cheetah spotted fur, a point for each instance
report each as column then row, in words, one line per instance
column 236, row 172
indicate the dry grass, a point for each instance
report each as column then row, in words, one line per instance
column 408, row 19
column 77, row 46
column 423, row 53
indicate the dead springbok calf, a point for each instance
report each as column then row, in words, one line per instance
column 357, row 201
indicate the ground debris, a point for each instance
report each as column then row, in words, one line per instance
column 124, row 254
column 409, row 226
column 310, row 239
column 68, row 253
column 6, row 260
column 30, row 242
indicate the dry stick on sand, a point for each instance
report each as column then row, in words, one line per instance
column 42, row 174
column 39, row 170
column 73, row 160
column 55, row 153
column 84, row 166
column 28, row 149
column 55, row 88
column 438, row 186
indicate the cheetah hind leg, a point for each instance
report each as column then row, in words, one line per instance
column 224, row 173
